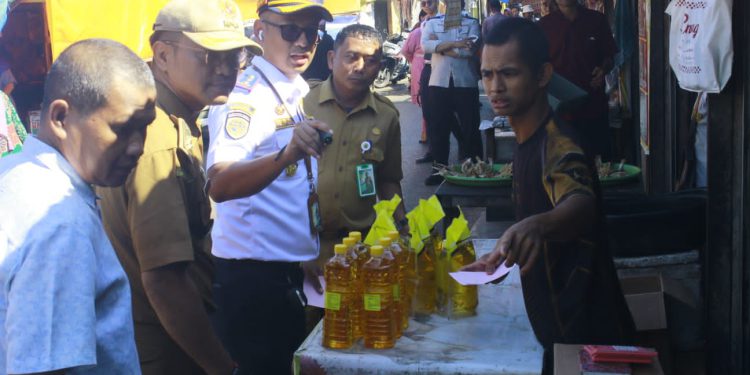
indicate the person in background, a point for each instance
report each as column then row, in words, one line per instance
column 453, row 89
column 7, row 80
column 12, row 131
column 262, row 166
column 367, row 131
column 548, row 6
column 318, row 69
column 570, row 286
column 414, row 54
column 65, row 299
column 514, row 11
column 159, row 221
column 496, row 15
column 582, row 50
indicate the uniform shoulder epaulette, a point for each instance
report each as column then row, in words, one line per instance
column 247, row 82
column 385, row 101
column 313, row 83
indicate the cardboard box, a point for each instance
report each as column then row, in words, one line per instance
column 567, row 362
column 645, row 298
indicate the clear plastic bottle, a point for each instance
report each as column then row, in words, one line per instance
column 357, row 261
column 379, row 274
column 337, row 323
column 393, row 252
column 462, row 300
column 402, row 255
column 424, row 303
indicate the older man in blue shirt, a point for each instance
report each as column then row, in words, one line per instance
column 64, row 298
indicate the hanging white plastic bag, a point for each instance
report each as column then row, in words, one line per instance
column 700, row 43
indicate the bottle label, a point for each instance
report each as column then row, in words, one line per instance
column 396, row 292
column 332, row 301
column 372, row 302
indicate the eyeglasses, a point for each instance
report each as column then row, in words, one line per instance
column 291, row 32
column 234, row 58
column 425, row 3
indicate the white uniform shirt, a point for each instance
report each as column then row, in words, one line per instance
column 272, row 225
column 445, row 67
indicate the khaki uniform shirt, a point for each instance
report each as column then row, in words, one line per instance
column 161, row 215
column 376, row 120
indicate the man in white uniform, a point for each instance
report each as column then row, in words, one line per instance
column 262, row 174
column 453, row 88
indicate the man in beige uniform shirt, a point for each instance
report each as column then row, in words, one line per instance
column 159, row 221
column 366, row 142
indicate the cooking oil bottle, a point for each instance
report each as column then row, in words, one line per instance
column 426, row 293
column 393, row 251
column 362, row 248
column 462, row 299
column 357, row 261
column 337, row 323
column 402, row 256
column 379, row 274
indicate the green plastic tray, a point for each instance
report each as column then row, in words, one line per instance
column 633, row 173
column 480, row 182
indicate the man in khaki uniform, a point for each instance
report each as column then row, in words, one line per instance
column 159, row 221
column 366, row 142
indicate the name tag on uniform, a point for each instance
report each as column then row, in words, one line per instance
column 366, row 179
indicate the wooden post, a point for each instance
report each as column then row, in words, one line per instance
column 727, row 262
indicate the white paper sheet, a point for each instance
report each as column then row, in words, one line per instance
column 479, row 278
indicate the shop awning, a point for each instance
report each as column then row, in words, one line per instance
column 128, row 21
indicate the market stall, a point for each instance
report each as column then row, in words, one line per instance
column 437, row 345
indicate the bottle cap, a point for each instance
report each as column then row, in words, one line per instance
column 376, row 250
column 339, row 249
column 385, row 241
column 356, row 235
column 348, row 241
column 394, row 235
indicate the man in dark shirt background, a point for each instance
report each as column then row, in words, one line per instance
column 318, row 69
column 496, row 15
column 582, row 48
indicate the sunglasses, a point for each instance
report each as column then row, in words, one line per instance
column 425, row 3
column 233, row 58
column 291, row 32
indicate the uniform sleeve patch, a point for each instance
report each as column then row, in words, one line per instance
column 237, row 124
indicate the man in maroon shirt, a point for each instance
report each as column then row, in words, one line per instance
column 582, row 49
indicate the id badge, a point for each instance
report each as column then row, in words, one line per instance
column 313, row 212
column 366, row 180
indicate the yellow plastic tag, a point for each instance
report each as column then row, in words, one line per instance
column 456, row 232
column 332, row 301
column 396, row 292
column 372, row 302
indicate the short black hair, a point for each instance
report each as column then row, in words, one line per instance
column 357, row 31
column 83, row 74
column 494, row 5
column 532, row 42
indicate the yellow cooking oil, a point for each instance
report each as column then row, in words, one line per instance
column 402, row 255
column 390, row 250
column 337, row 323
column 424, row 303
column 462, row 299
column 356, row 262
column 441, row 280
column 379, row 274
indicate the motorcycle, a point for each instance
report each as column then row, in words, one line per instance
column 395, row 67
